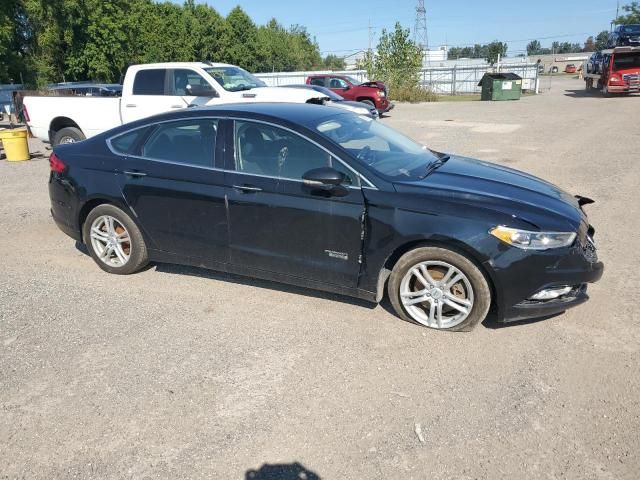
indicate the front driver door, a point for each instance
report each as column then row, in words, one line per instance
column 279, row 224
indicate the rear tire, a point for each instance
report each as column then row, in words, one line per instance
column 68, row 135
column 470, row 294
column 114, row 240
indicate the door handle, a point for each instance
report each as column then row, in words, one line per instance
column 247, row 188
column 134, row 173
column 131, row 105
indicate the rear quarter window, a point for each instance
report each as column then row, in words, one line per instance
column 126, row 143
column 149, row 82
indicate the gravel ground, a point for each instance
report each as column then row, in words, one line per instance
column 184, row 373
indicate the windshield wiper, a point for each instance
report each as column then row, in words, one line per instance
column 433, row 166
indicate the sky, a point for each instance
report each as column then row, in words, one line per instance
column 342, row 27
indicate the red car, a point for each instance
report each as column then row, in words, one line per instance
column 372, row 93
column 571, row 68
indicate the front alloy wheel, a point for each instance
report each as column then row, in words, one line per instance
column 439, row 288
column 436, row 294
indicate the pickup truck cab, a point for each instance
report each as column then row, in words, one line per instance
column 371, row 93
column 148, row 90
column 618, row 71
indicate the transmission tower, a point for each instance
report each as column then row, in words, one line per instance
column 420, row 31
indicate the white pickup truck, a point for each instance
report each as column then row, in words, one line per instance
column 147, row 90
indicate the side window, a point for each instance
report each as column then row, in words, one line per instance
column 318, row 81
column 149, row 82
column 267, row 150
column 337, row 83
column 352, row 178
column 188, row 142
column 183, row 77
column 126, row 143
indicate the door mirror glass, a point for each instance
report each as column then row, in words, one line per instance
column 325, row 177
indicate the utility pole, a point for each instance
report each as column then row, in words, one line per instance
column 370, row 35
column 420, row 37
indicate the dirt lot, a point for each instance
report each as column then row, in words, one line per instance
column 183, row 373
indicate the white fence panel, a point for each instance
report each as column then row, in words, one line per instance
column 448, row 80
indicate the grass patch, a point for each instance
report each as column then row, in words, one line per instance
column 414, row 94
column 458, row 98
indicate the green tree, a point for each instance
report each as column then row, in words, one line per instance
column 589, row 44
column 494, row 50
column 397, row 61
column 243, row 49
column 533, row 47
column 334, row 62
column 632, row 14
column 602, row 39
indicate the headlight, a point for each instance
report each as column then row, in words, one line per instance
column 533, row 240
column 381, row 93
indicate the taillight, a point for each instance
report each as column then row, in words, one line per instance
column 56, row 164
column 25, row 113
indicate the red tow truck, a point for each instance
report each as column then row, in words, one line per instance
column 616, row 70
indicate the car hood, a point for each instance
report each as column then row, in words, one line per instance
column 278, row 94
column 512, row 192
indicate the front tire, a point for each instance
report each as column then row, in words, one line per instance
column 114, row 241
column 439, row 288
column 369, row 103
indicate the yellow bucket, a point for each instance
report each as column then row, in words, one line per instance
column 16, row 146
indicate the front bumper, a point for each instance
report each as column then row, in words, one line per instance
column 518, row 275
column 390, row 106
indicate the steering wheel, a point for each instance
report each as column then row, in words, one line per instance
column 365, row 155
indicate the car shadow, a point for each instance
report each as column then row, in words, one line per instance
column 259, row 283
column 492, row 322
column 283, row 471
column 582, row 93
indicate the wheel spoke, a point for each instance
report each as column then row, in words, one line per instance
column 439, row 315
column 461, row 301
column 120, row 254
column 455, row 305
column 432, row 314
column 106, row 253
column 457, row 277
column 99, row 235
column 427, row 275
column 418, row 293
column 447, row 276
column 123, row 237
column 420, row 278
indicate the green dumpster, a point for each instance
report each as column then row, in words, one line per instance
column 501, row 86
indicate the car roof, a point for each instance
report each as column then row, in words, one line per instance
column 182, row 65
column 305, row 114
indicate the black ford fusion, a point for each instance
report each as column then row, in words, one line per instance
column 330, row 200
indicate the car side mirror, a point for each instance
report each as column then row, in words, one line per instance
column 324, row 178
column 201, row 91
column 347, row 87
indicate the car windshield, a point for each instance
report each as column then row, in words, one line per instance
column 631, row 29
column 329, row 93
column 623, row 61
column 387, row 151
column 234, row 79
column 353, row 81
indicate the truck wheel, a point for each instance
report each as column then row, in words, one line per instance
column 368, row 102
column 68, row 135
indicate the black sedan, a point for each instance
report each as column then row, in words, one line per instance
column 313, row 196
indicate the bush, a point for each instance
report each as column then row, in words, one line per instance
column 412, row 94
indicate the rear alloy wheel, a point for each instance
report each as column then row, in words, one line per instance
column 114, row 241
column 440, row 289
